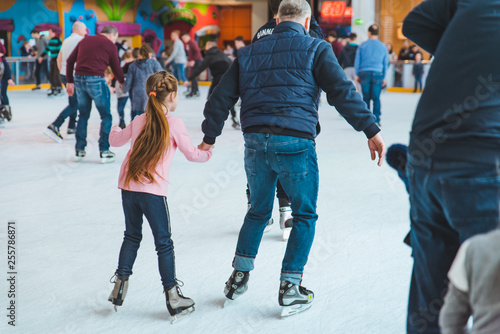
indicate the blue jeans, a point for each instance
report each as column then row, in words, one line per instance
column 70, row 111
column 450, row 202
column 122, row 101
column 155, row 208
column 418, row 83
column 371, row 87
column 134, row 113
column 179, row 71
column 94, row 88
column 292, row 160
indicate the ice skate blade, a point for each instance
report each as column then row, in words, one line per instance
column 52, row 136
column 286, row 233
column 287, row 311
column 107, row 160
column 116, row 309
column 178, row 317
column 227, row 302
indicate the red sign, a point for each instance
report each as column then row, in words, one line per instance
column 335, row 9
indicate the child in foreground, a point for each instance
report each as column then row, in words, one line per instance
column 144, row 179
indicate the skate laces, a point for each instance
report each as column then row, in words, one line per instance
column 113, row 278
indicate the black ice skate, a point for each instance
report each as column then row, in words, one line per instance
column 107, row 157
column 53, row 133
column 294, row 298
column 119, row 292
column 236, row 285
column 286, row 221
column 71, row 131
column 6, row 112
column 178, row 306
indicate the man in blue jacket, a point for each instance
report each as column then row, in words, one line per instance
column 454, row 151
column 279, row 79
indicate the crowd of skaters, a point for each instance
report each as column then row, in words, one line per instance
column 365, row 65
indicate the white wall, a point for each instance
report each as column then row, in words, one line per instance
column 365, row 10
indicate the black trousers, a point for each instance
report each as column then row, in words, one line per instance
column 55, row 76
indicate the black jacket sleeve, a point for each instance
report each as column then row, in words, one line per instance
column 341, row 93
column 200, row 68
column 314, row 29
column 426, row 23
column 222, row 99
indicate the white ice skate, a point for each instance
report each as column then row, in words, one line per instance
column 294, row 298
column 119, row 292
column 107, row 157
column 178, row 306
column 286, row 221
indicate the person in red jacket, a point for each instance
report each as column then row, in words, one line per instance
column 92, row 56
column 194, row 59
column 336, row 45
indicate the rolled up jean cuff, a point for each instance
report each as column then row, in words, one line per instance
column 294, row 278
column 243, row 263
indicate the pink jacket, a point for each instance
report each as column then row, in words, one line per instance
column 179, row 138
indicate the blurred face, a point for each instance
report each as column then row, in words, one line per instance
column 174, row 36
column 418, row 57
column 52, row 34
column 185, row 38
column 239, row 44
column 406, row 44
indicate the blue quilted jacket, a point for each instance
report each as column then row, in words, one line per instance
column 279, row 79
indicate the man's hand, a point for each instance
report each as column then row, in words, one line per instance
column 384, row 83
column 205, row 147
column 190, row 63
column 11, row 82
column 70, row 89
column 376, row 144
column 186, row 83
column 120, row 85
column 166, row 63
column 358, row 80
column 40, row 59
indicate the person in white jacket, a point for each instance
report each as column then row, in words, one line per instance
column 178, row 57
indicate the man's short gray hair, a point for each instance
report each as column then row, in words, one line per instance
column 109, row 29
column 294, row 9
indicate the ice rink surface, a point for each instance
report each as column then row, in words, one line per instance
column 70, row 226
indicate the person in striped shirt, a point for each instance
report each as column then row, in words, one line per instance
column 52, row 50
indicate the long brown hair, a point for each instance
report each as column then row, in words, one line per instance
column 154, row 140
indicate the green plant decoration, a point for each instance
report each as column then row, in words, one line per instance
column 115, row 11
column 156, row 5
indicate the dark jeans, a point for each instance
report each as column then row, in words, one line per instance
column 122, row 101
column 70, row 111
column 155, row 208
column 371, row 87
column 4, row 84
column 40, row 68
column 194, row 82
column 179, row 71
column 134, row 113
column 418, row 83
column 55, row 75
column 88, row 89
column 450, row 202
column 293, row 160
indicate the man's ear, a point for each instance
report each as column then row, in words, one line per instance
column 277, row 20
column 307, row 25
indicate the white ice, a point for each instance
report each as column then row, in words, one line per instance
column 70, row 227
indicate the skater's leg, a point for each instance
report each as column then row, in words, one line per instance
column 194, row 83
column 38, row 69
column 365, row 81
column 261, row 182
column 122, row 102
column 70, row 110
column 84, row 107
column 295, row 160
column 133, row 231
column 376, row 90
column 281, row 194
column 100, row 94
column 3, row 88
column 156, row 211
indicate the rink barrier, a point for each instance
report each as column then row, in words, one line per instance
column 47, row 86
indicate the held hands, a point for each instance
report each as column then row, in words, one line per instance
column 40, row 59
column 205, row 147
column 70, row 89
column 376, row 144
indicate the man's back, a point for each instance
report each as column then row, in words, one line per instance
column 372, row 55
column 67, row 48
column 458, row 110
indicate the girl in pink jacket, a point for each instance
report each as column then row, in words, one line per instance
column 155, row 135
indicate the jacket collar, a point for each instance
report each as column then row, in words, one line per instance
column 289, row 26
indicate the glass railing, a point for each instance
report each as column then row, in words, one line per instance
column 400, row 73
column 23, row 70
